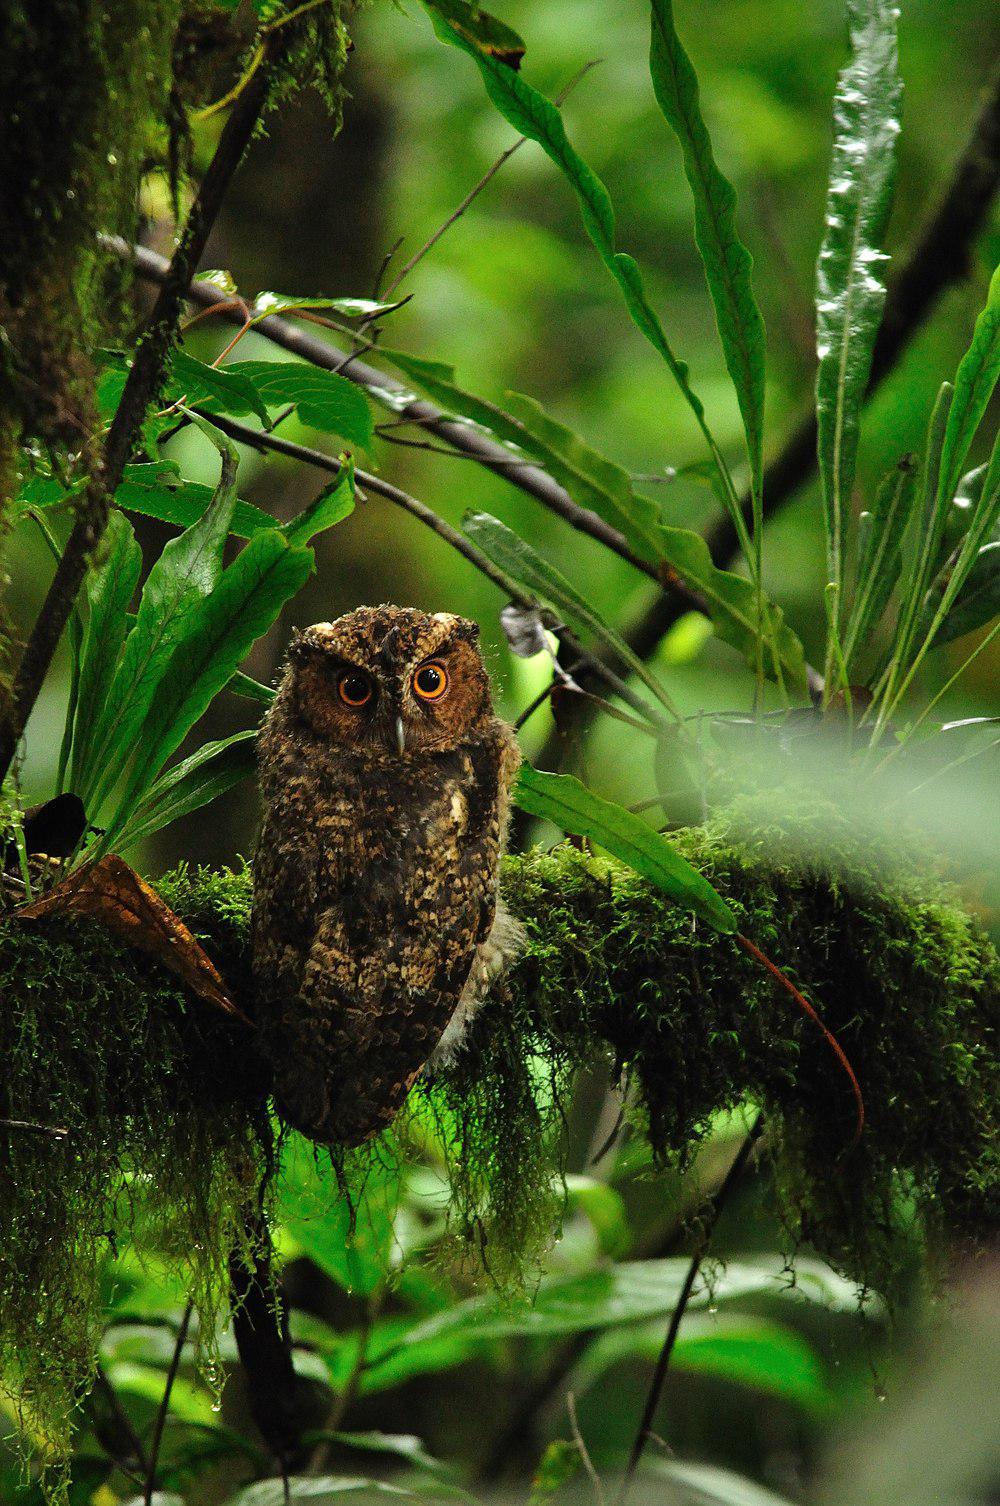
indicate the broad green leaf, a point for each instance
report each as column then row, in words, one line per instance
column 880, row 551
column 604, row 1207
column 733, row 1347
column 318, row 1490
column 397, row 1445
column 562, row 799
column 850, row 291
column 975, row 380
column 224, row 388
column 517, row 559
column 726, row 259
column 214, row 769
column 314, row 1210
column 322, row 399
column 706, row 1485
column 481, row 31
column 155, row 489
column 606, row 488
column 535, row 117
column 219, row 632
column 186, row 572
column 334, row 503
column 110, row 588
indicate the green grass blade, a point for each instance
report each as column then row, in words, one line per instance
column 535, row 117
column 850, row 291
column 516, row 558
column 186, row 572
column 214, row 769
column 573, row 808
column 880, row 549
column 110, row 588
column 726, row 259
column 219, row 633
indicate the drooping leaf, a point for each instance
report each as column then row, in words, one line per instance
column 517, row 558
column 186, row 572
column 334, row 503
column 880, row 551
column 479, row 29
column 109, row 591
column 975, row 380
column 215, row 768
column 155, row 489
column 219, row 632
column 597, row 483
column 562, row 799
column 726, row 259
column 850, row 290
column 224, row 388
column 322, row 399
column 535, row 117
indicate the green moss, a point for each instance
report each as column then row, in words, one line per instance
column 160, row 1094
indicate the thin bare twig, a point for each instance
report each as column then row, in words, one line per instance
column 709, row 1224
column 28, row 1127
column 164, row 1407
column 584, row 1452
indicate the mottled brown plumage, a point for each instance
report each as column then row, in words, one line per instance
column 385, row 777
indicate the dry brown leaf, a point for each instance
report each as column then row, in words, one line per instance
column 113, row 893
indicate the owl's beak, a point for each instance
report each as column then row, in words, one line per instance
column 399, row 732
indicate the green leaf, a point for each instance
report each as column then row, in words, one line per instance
column 483, row 33
column 978, row 602
column 706, row 1485
column 219, row 632
column 266, row 304
column 726, row 259
column 314, row 1210
column 562, row 799
column 250, row 689
column 559, row 1464
column 155, row 489
column 517, row 559
column 606, row 488
column 397, row 1445
column 604, row 1208
column 223, row 388
column 109, row 590
column 214, row 769
column 186, row 572
column 319, row 1490
column 975, row 380
column 322, row 399
column 965, row 594
column 334, row 503
column 850, row 291
column 535, row 117
column 880, row 550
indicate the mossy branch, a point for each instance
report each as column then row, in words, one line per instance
column 146, row 1080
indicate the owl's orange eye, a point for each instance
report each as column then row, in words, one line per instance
column 354, row 688
column 431, row 681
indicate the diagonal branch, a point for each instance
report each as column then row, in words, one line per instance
column 144, row 378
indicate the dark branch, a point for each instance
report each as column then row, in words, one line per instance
column 144, row 379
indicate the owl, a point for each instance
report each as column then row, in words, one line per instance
column 385, row 778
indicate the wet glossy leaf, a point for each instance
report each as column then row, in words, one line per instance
column 266, row 304
column 850, row 287
column 562, row 799
column 726, row 259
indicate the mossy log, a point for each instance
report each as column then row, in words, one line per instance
column 165, row 1105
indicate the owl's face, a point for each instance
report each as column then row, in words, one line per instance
column 390, row 680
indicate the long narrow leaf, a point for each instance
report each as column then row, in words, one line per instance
column 975, row 380
column 517, row 558
column 880, row 546
column 109, row 591
column 214, row 769
column 850, row 291
column 219, row 633
column 606, row 488
column 186, row 572
column 726, row 259
column 573, row 808
column 535, row 117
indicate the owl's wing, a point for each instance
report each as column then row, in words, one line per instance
column 384, row 976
